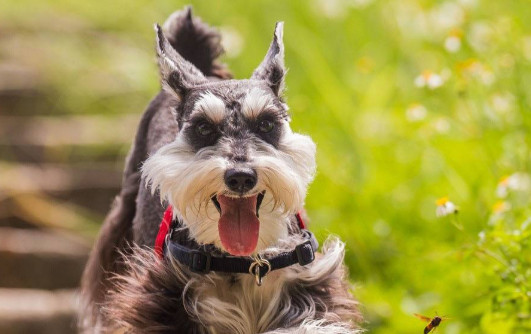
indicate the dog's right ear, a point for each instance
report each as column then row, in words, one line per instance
column 177, row 74
column 272, row 68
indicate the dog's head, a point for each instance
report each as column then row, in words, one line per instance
column 236, row 171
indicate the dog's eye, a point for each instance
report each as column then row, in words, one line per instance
column 266, row 126
column 204, row 129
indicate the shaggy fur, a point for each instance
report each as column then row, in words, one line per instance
column 126, row 288
column 151, row 296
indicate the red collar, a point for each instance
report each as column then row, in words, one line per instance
column 165, row 226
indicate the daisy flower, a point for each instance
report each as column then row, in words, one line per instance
column 500, row 207
column 429, row 79
column 416, row 112
column 474, row 69
column 452, row 43
column 515, row 181
column 502, row 103
column 445, row 207
column 232, row 41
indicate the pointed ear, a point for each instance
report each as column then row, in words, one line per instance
column 272, row 67
column 176, row 73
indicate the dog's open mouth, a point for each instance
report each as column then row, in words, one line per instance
column 238, row 223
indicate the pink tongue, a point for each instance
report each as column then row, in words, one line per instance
column 238, row 225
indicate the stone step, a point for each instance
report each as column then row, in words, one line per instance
column 64, row 154
column 90, row 186
column 49, row 177
column 68, row 129
column 49, row 212
column 37, row 311
column 20, row 91
column 41, row 259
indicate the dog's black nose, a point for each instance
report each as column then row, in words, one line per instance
column 240, row 180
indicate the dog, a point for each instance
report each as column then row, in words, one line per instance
column 215, row 159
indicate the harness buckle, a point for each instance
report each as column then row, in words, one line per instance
column 254, row 269
column 200, row 262
column 305, row 253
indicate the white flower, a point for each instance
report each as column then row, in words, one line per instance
column 476, row 70
column 468, row 3
column 429, row 79
column 445, row 207
column 513, row 182
column 487, row 77
column 442, row 125
column 331, row 9
column 338, row 9
column 447, row 15
column 500, row 207
column 452, row 43
column 232, row 41
column 480, row 36
column 416, row 112
column 502, row 103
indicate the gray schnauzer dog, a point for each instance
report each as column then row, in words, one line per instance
column 232, row 254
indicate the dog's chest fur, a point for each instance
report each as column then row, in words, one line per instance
column 162, row 296
column 236, row 302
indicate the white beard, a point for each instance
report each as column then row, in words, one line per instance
column 188, row 180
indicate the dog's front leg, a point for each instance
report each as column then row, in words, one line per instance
column 318, row 327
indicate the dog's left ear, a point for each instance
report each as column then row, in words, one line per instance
column 272, row 68
column 177, row 74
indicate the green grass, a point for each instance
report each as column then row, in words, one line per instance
column 381, row 167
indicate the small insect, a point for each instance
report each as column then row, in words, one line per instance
column 433, row 323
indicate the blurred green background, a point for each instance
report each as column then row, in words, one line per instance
column 408, row 102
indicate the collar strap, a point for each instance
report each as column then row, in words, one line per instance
column 200, row 261
column 165, row 226
column 203, row 262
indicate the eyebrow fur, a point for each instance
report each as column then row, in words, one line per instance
column 211, row 106
column 256, row 102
